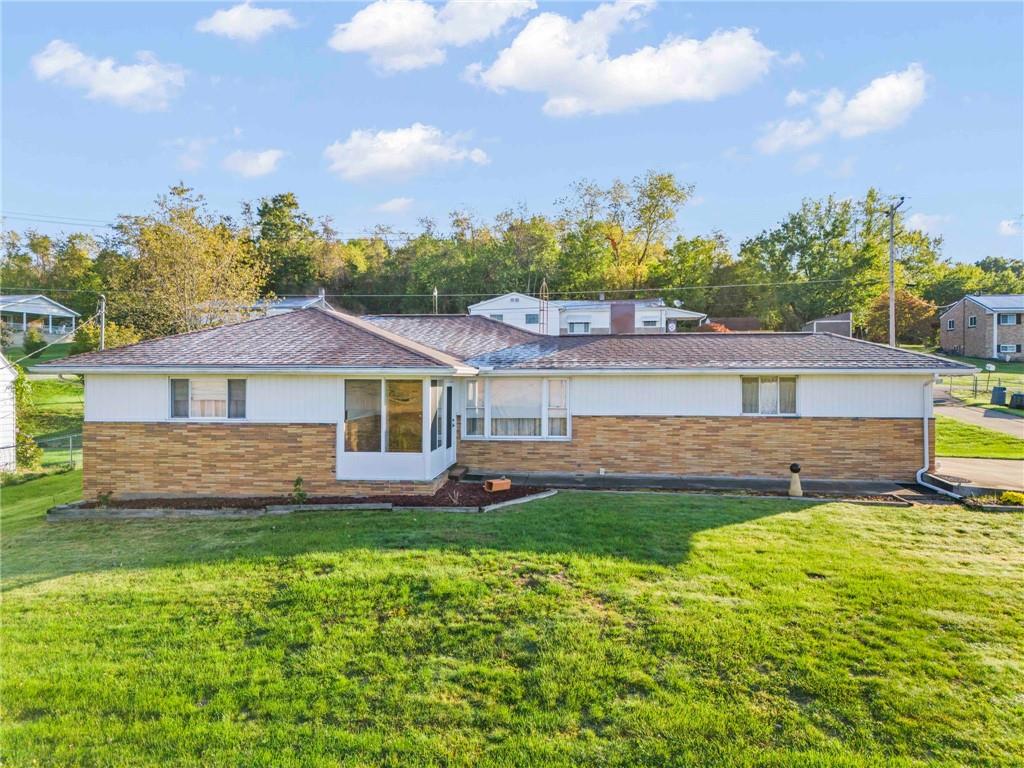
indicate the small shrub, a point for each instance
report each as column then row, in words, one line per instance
column 27, row 452
column 103, row 498
column 6, row 337
column 299, row 494
column 34, row 340
column 1012, row 497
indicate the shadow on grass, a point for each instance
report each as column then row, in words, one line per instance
column 645, row 529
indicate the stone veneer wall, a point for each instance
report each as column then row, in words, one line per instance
column 168, row 460
column 836, row 448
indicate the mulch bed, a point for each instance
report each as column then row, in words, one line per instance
column 451, row 494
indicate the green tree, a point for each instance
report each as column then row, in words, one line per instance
column 915, row 318
column 288, row 245
column 87, row 337
column 192, row 268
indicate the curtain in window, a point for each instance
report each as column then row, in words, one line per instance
column 362, row 415
column 558, row 413
column 474, row 409
column 768, row 396
column 179, row 398
column 787, row 396
column 209, row 398
column 405, row 416
column 236, row 398
column 750, row 387
column 516, row 407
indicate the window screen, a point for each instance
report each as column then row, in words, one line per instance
column 516, row 407
column 474, row 425
column 436, row 415
column 179, row 398
column 404, row 416
column 558, row 413
column 532, row 318
column 362, row 416
column 236, row 398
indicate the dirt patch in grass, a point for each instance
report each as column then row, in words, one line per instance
column 451, row 494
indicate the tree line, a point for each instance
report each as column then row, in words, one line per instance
column 181, row 266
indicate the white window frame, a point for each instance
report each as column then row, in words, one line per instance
column 544, row 416
column 1011, row 315
column 535, row 316
column 972, row 321
column 424, row 426
column 780, row 415
column 1007, row 349
column 227, row 401
column 649, row 323
column 950, row 324
column 584, row 332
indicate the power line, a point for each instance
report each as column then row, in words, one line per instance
column 587, row 292
column 58, row 340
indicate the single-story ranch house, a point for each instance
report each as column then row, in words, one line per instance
column 387, row 404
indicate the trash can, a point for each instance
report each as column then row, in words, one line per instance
column 1017, row 401
column 998, row 396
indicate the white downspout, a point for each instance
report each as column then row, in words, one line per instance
column 926, row 401
column 995, row 335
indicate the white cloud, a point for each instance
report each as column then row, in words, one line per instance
column 401, row 35
column 192, row 155
column 395, row 205
column 883, row 104
column 1009, row 227
column 147, row 85
column 808, row 163
column 797, row 98
column 400, row 153
column 929, row 223
column 570, row 64
column 243, row 22
column 253, row 164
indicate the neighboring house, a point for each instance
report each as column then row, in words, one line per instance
column 984, row 326
column 290, row 304
column 571, row 317
column 841, row 324
column 19, row 310
column 389, row 403
column 8, row 417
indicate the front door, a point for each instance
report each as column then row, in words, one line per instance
column 449, row 424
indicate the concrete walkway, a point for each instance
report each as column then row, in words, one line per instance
column 1000, row 421
column 987, row 473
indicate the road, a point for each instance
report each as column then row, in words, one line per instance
column 1000, row 421
column 987, row 473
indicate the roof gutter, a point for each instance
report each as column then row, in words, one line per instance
column 246, row 369
column 930, row 372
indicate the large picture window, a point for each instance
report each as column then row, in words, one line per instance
column 517, row 408
column 404, row 416
column 362, row 415
column 207, row 398
column 769, row 396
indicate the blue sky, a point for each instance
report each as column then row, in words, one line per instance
column 407, row 110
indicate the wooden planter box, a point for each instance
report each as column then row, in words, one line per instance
column 499, row 484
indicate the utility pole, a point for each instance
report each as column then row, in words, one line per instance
column 892, row 270
column 103, row 321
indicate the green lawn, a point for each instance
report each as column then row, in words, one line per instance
column 955, row 438
column 586, row 629
column 56, row 352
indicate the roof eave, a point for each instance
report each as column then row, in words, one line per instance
column 461, row 370
column 719, row 371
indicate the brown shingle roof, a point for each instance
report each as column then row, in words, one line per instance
column 721, row 351
column 463, row 336
column 307, row 337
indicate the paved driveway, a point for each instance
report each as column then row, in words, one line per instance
column 987, row 473
column 1000, row 421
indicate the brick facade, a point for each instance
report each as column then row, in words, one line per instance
column 976, row 341
column 838, row 448
column 158, row 459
